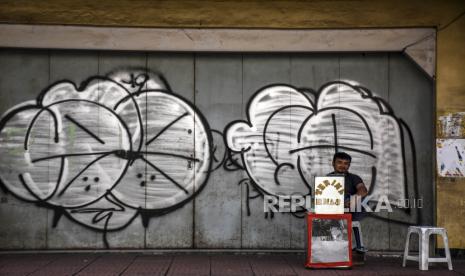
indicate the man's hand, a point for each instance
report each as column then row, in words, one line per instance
column 347, row 203
column 352, row 201
column 361, row 190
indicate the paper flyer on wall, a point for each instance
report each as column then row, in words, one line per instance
column 450, row 155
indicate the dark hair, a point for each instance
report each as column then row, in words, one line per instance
column 342, row 155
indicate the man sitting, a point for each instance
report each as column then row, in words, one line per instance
column 353, row 186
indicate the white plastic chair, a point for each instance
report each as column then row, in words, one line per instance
column 423, row 257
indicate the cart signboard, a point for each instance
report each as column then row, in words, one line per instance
column 329, row 195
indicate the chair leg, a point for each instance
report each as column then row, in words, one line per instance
column 407, row 241
column 424, row 251
column 447, row 251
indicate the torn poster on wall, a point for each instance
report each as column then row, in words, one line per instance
column 450, row 154
column 452, row 125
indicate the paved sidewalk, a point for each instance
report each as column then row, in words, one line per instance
column 199, row 264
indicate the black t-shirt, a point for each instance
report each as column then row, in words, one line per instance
column 350, row 182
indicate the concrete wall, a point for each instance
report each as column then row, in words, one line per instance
column 100, row 167
column 445, row 15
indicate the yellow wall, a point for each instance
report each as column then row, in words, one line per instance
column 447, row 15
column 450, row 96
column 234, row 13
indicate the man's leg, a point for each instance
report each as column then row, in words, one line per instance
column 358, row 216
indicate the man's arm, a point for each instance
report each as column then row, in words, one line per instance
column 361, row 189
column 361, row 192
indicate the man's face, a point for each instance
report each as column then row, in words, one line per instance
column 341, row 165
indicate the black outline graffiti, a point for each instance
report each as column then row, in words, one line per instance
column 165, row 128
column 384, row 109
column 139, row 82
column 85, row 129
column 229, row 161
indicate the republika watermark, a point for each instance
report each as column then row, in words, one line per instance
column 369, row 204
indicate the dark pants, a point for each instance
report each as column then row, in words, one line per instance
column 357, row 216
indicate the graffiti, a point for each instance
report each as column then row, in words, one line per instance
column 105, row 152
column 291, row 134
column 124, row 145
